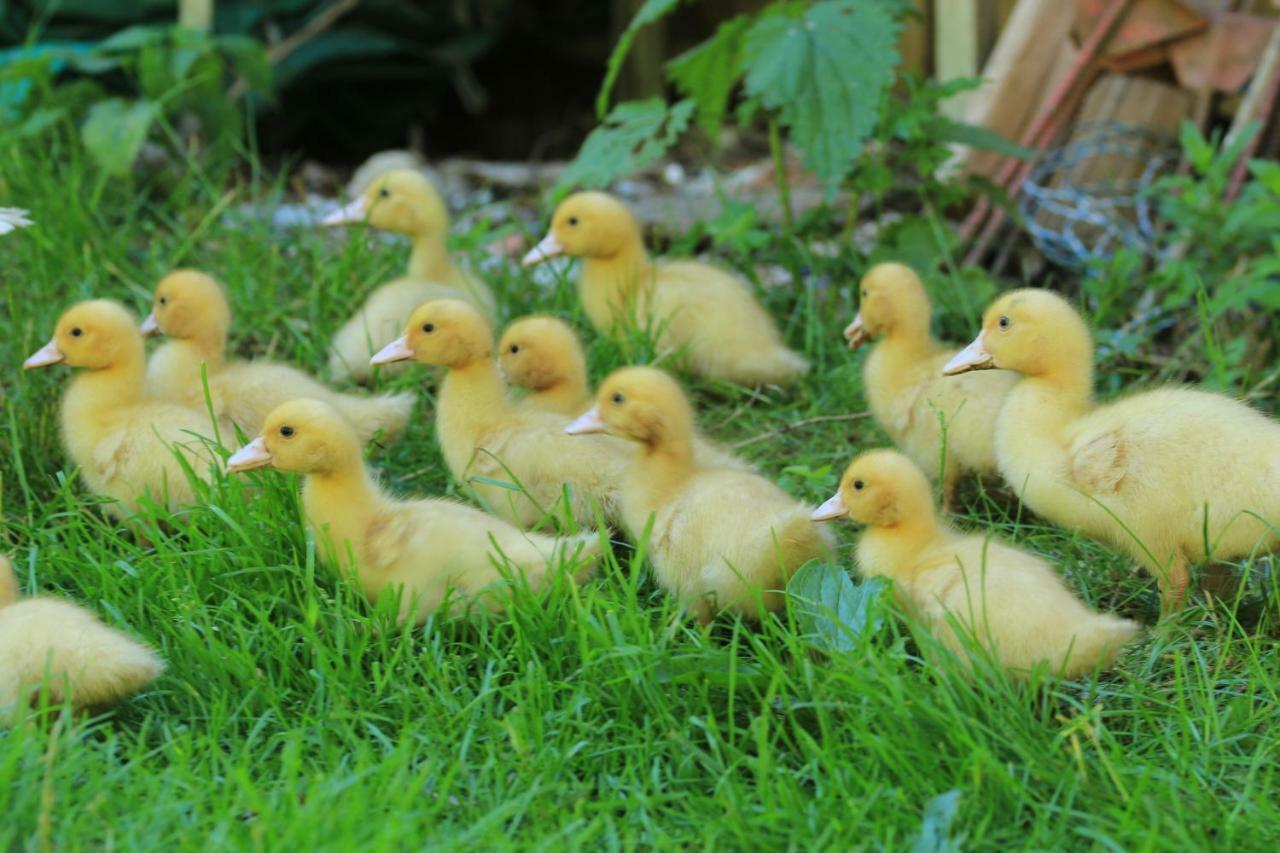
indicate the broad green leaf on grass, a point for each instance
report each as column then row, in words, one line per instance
column 935, row 828
column 634, row 135
column 651, row 11
column 114, row 131
column 832, row 611
column 946, row 129
column 707, row 73
column 825, row 71
column 247, row 57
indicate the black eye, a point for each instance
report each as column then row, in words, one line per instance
column 77, row 332
column 857, row 485
column 428, row 327
column 864, row 293
column 164, row 300
column 573, row 221
column 1004, row 322
column 286, row 431
column 515, row 348
column 384, row 193
column 617, row 397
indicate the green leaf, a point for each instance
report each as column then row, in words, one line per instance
column 825, row 72
column 708, row 72
column 634, row 135
column 935, row 827
column 946, row 129
column 832, row 612
column 114, row 131
column 651, row 11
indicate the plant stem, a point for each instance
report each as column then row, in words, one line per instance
column 780, row 175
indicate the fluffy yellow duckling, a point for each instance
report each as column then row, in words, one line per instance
column 721, row 539
column 710, row 315
column 191, row 308
column 122, row 441
column 45, row 641
column 422, row 548
column 1010, row 602
column 544, row 355
column 1170, row 476
column 905, row 387
column 486, row 437
column 404, row 202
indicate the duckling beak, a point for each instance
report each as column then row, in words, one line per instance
column 45, row 356
column 833, row 508
column 856, row 333
column 252, row 455
column 353, row 212
column 549, row 248
column 150, row 325
column 397, row 350
column 587, row 423
column 972, row 357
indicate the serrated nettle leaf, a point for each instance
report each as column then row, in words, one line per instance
column 832, row 611
column 825, row 72
column 635, row 134
column 650, row 12
column 114, row 131
column 708, row 72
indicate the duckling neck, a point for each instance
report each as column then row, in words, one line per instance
column 567, row 395
column 472, row 399
column 340, row 505
column 892, row 550
column 429, row 260
column 659, row 471
column 95, row 396
column 610, row 285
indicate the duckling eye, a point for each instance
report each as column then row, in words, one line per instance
column 1005, row 322
column 857, row 485
column 77, row 332
column 573, row 221
column 286, row 431
column 428, row 327
column 515, row 348
column 164, row 300
column 384, row 193
column 617, row 397
column 864, row 293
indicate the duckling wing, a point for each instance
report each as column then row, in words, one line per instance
column 1098, row 462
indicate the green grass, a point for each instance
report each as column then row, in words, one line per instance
column 294, row 715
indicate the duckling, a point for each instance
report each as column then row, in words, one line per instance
column 544, row 355
column 720, row 539
column 191, row 307
column 1010, row 602
column 123, row 442
column 421, row 548
column 905, row 389
column 710, row 317
column 404, row 202
column 1171, row 476
column 490, row 442
column 45, row 641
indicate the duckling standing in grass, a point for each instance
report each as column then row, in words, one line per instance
column 544, row 355
column 1009, row 602
column 404, row 202
column 1171, row 476
column 720, row 539
column 45, row 641
column 125, row 444
column 495, row 445
column 907, row 393
column 423, row 548
column 709, row 316
column 191, row 308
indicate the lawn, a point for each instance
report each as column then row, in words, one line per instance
column 294, row 716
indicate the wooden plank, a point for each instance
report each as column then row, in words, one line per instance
column 956, row 47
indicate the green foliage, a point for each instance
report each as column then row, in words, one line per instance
column 114, row 130
column 651, row 11
column 708, row 73
column 939, row 814
column 833, row 613
column 634, row 134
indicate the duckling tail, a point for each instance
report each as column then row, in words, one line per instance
column 1098, row 643
column 774, row 366
column 386, row 414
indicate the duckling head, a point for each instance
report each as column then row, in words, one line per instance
column 445, row 332
column 96, row 334
column 301, row 436
column 540, row 352
column 641, row 404
column 891, row 301
column 188, row 304
column 402, row 201
column 8, row 581
column 880, row 488
column 1034, row 332
column 588, row 225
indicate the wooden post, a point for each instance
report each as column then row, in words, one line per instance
column 196, row 14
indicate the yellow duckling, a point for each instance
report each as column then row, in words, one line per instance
column 709, row 315
column 544, row 355
column 905, row 387
column 404, row 202
column 1171, row 476
column 488, row 441
column 45, row 641
column 1010, row 602
column 423, row 548
column 191, row 308
column 720, row 539
column 123, row 442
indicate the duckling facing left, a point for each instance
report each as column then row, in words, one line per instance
column 191, row 308
column 1007, row 601
column 123, row 442
column 720, row 539
column 45, row 641
column 424, row 548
